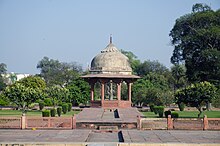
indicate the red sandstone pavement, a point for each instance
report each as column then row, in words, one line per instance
column 130, row 136
column 105, row 115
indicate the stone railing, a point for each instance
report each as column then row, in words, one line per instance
column 142, row 123
column 11, row 122
column 25, row 122
column 178, row 123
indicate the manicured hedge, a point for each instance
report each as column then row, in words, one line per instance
column 46, row 113
column 59, row 111
column 53, row 112
column 64, row 108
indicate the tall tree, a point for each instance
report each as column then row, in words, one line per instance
column 196, row 38
column 133, row 60
column 58, row 73
column 33, row 82
column 179, row 76
column 197, row 95
column 2, row 71
column 22, row 96
column 57, row 94
column 151, row 66
column 79, row 91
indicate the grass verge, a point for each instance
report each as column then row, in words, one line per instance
column 18, row 113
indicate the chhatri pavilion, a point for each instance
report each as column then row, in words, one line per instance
column 110, row 72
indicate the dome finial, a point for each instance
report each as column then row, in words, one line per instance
column 110, row 38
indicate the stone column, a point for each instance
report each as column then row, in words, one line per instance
column 74, row 122
column 23, row 121
column 111, row 90
column 119, row 91
column 169, row 123
column 102, row 90
column 92, row 91
column 139, row 124
column 129, row 91
column 205, row 123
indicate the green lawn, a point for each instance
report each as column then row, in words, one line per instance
column 30, row 113
column 188, row 114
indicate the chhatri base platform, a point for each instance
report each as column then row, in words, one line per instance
column 96, row 118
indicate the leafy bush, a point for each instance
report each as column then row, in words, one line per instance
column 181, row 106
column 69, row 107
column 41, row 105
column 59, row 111
column 152, row 108
column 53, row 112
column 216, row 100
column 60, row 104
column 155, row 109
column 159, row 110
column 4, row 101
column 48, row 102
column 174, row 115
column 64, row 108
column 166, row 113
column 46, row 113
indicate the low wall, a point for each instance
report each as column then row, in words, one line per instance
column 38, row 122
column 153, row 123
column 213, row 123
column 178, row 123
column 188, row 123
column 49, row 122
column 10, row 122
column 142, row 123
column 116, row 104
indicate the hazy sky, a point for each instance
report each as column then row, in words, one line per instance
column 77, row 30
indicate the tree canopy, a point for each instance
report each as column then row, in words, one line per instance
column 58, row 73
column 22, row 96
column 196, row 38
column 196, row 95
column 2, row 71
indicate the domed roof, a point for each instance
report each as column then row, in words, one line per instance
column 110, row 61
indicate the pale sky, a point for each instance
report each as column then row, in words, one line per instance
column 77, row 30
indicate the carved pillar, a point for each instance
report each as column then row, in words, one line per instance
column 129, row 91
column 102, row 90
column 92, row 91
column 119, row 91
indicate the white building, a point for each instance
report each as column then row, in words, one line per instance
column 12, row 77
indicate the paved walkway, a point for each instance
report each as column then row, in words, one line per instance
column 128, row 136
column 101, row 115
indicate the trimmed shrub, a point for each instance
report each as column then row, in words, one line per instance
column 46, row 113
column 41, row 105
column 48, row 102
column 53, row 112
column 64, row 108
column 166, row 113
column 4, row 101
column 159, row 110
column 69, row 107
column 59, row 111
column 155, row 109
column 174, row 115
column 152, row 108
column 60, row 104
column 181, row 106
